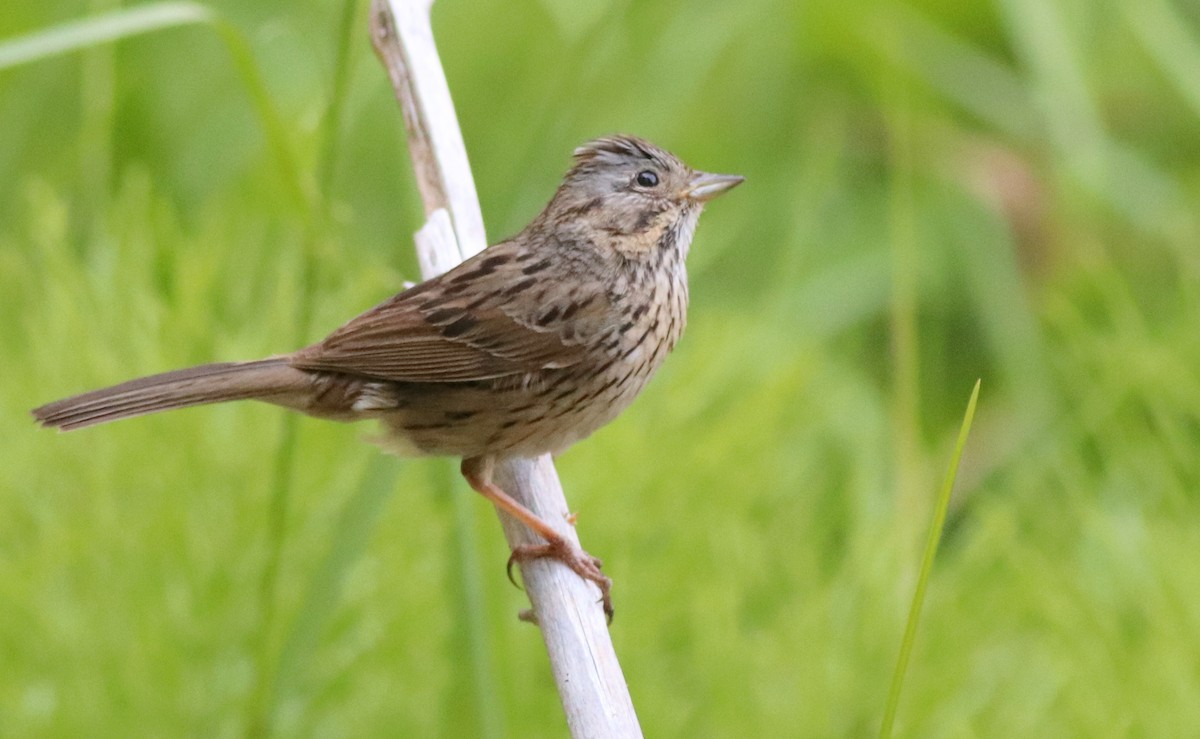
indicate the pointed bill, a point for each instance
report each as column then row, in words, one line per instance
column 705, row 186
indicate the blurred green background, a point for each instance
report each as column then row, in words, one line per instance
column 936, row 192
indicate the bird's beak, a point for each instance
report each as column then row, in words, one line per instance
column 705, row 186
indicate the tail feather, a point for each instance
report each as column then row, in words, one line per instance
column 267, row 379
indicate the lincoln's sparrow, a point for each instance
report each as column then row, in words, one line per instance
column 523, row 349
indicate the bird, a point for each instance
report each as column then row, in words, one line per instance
column 523, row 349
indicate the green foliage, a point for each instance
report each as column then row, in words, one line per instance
column 935, row 192
column 931, row 548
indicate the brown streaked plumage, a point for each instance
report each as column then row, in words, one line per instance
column 524, row 349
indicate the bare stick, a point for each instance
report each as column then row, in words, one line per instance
column 590, row 684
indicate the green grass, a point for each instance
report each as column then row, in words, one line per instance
column 935, row 193
column 932, row 542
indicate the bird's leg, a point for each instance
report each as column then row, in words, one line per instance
column 478, row 473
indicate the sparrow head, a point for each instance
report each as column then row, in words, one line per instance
column 629, row 189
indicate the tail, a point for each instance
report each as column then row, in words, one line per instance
column 266, row 379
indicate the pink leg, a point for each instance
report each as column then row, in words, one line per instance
column 478, row 473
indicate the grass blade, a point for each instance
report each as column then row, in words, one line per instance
column 931, row 547
column 82, row 34
column 79, row 35
column 1164, row 35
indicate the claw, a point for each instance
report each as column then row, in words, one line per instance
column 512, row 559
column 478, row 473
column 524, row 554
column 580, row 562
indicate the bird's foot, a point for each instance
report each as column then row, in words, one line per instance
column 580, row 562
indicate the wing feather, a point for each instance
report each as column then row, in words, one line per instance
column 424, row 335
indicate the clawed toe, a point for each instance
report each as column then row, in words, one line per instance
column 580, row 562
column 478, row 474
column 526, row 553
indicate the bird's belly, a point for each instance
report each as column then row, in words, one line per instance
column 515, row 417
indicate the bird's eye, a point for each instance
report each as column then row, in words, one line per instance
column 646, row 178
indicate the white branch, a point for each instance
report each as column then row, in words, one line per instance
column 593, row 691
